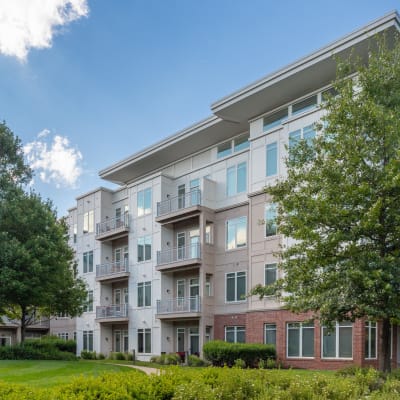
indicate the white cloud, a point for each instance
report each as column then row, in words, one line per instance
column 27, row 24
column 56, row 162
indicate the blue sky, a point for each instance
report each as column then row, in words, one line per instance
column 116, row 76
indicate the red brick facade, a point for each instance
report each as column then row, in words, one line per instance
column 254, row 323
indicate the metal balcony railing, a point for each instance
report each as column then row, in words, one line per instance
column 112, row 311
column 112, row 224
column 112, row 268
column 177, row 254
column 192, row 198
column 179, row 305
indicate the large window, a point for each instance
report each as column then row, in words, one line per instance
column 144, row 294
column 272, row 159
column 87, row 340
column 89, row 301
column 235, row 145
column 305, row 105
column 236, row 233
column 88, row 222
column 88, row 261
column 300, row 339
column 144, row 248
column 144, row 202
column 144, row 340
column 270, row 274
column 236, row 179
column 235, row 334
column 270, row 220
column 275, row 119
column 307, row 133
column 337, row 342
column 270, row 334
column 236, row 286
column 370, row 339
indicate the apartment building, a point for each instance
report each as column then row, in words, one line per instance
column 170, row 256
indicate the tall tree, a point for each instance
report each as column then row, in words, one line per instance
column 340, row 204
column 37, row 271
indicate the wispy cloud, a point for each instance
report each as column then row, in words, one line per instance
column 54, row 161
column 27, row 24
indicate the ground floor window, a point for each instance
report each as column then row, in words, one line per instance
column 270, row 334
column 300, row 339
column 121, row 341
column 337, row 342
column 235, row 334
column 144, row 340
column 88, row 340
column 63, row 335
column 370, row 339
column 5, row 341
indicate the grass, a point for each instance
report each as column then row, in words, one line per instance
column 51, row 373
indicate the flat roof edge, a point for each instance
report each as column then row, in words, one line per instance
column 390, row 19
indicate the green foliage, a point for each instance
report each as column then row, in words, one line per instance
column 340, row 202
column 212, row 383
column 167, row 359
column 195, row 361
column 88, row 355
column 239, row 363
column 221, row 353
column 37, row 349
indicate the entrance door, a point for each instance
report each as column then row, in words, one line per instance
column 125, row 341
column 194, row 295
column 180, row 240
column 181, row 196
column 194, row 243
column 194, row 341
column 180, row 340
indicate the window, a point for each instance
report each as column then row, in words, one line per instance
column 270, row 334
column 144, row 202
column 144, row 294
column 88, row 222
column 144, row 248
column 87, row 340
column 370, row 339
column 300, row 339
column 209, row 233
column 236, row 233
column 126, row 295
column 307, row 133
column 144, row 340
column 75, row 232
column 238, row 144
column 338, row 342
column 235, row 334
column 89, row 301
column 304, row 105
column 272, row 159
column 236, row 179
column 88, row 261
column 275, row 119
column 236, row 286
column 208, row 287
column 270, row 274
column 270, row 220
column 63, row 335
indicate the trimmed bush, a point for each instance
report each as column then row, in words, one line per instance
column 195, row 361
column 167, row 359
column 221, row 353
column 88, row 355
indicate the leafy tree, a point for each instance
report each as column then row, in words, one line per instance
column 340, row 204
column 37, row 276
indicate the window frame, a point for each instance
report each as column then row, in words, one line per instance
column 88, row 339
column 274, row 146
column 144, row 294
column 144, row 344
column 270, row 207
column 88, row 222
column 270, row 266
column 368, row 327
column 302, row 326
column 233, row 224
column 237, row 298
column 235, row 330
column 234, row 173
column 143, row 242
column 337, row 328
column 88, row 262
column 269, row 327
column 143, row 197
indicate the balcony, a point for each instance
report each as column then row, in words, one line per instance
column 179, row 257
column 179, row 307
column 180, row 207
column 112, row 228
column 112, row 314
column 115, row 271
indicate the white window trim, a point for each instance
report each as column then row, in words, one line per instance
column 226, row 235
column 226, row 287
column 337, row 344
column 235, row 332
column 300, row 341
column 376, row 339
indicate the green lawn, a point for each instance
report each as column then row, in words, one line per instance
column 51, row 373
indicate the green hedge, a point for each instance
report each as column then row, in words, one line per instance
column 40, row 349
column 221, row 353
column 211, row 383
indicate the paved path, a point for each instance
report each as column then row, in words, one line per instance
column 146, row 370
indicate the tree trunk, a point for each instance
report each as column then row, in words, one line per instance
column 384, row 347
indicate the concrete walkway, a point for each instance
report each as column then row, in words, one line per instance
column 146, row 370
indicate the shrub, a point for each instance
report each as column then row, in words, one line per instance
column 101, row 356
column 222, row 353
column 194, row 361
column 88, row 355
column 239, row 363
